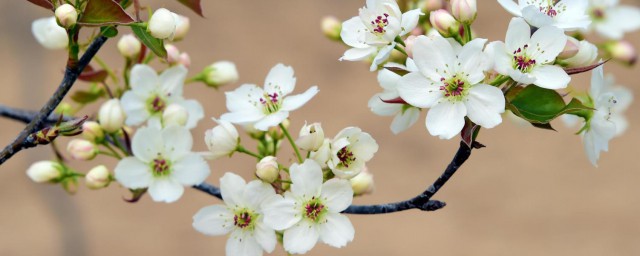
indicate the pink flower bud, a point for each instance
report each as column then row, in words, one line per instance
column 464, row 10
column 409, row 42
column 92, row 131
column 267, row 169
column 570, row 49
column 444, row 22
column 173, row 54
column 82, row 149
column 67, row 15
column 129, row 46
column 184, row 59
column 622, row 51
column 432, row 5
column 97, row 177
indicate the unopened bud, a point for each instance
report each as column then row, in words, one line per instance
column 67, row 15
column 162, row 24
column 98, row 177
column 82, row 149
column 362, row 183
column 220, row 73
column 570, row 49
column 276, row 132
column 331, row 27
column 129, row 46
column 185, row 60
column 44, row 171
column 111, row 116
column 222, row 140
column 173, row 54
column 92, row 131
column 175, row 114
column 622, row 51
column 322, row 155
column 587, row 54
column 311, row 137
column 49, row 34
column 409, row 42
column 444, row 22
column 182, row 27
column 267, row 169
column 464, row 10
column 432, row 5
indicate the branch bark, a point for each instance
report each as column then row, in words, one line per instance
column 71, row 73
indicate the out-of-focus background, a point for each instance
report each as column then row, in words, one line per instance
column 530, row 192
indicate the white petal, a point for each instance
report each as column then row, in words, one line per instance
column 133, row 173
column 381, row 108
column 172, row 80
column 49, row 34
column 135, row 108
column 165, row 190
column 147, row 143
column 550, row 77
column 306, row 178
column 546, row 43
column 382, row 56
column 243, row 117
column 177, row 142
column 357, row 54
column 144, row 79
column 502, row 61
column 433, row 56
column 190, row 170
column 597, row 82
column 280, row 213
column 536, row 18
column 244, row 98
column 271, row 120
column 213, row 220
column 518, row 34
column 337, row 231
column 471, row 58
column 195, row 110
column 241, row 243
column 232, row 187
column 388, row 79
column 419, row 91
column 255, row 193
column 409, row 21
column 446, row 119
column 300, row 238
column 294, row 102
column 265, row 236
column 405, row 119
column 484, row 105
column 352, row 33
column 511, row 7
column 337, row 194
column 280, row 80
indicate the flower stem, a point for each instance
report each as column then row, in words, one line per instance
column 115, row 153
column 467, row 33
column 293, row 144
column 241, row 149
column 499, row 80
column 401, row 50
column 104, row 65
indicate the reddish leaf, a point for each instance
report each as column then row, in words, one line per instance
column 468, row 133
column 42, row 3
column 104, row 12
column 194, row 5
column 93, row 75
column 394, row 101
column 578, row 70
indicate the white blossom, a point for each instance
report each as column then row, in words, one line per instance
column 310, row 137
column 568, row 15
column 241, row 216
column 350, row 150
column 221, row 140
column 612, row 20
column 162, row 161
column 374, row 31
column 269, row 106
column 162, row 24
column 49, row 34
column 529, row 59
column 44, row 171
column 151, row 93
column 310, row 211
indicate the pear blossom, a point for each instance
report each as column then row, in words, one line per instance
column 151, row 94
column 310, row 211
column 162, row 161
column 267, row 169
column 611, row 20
column 375, row 30
column 323, row 154
column 449, row 81
column 222, row 140
column 568, row 15
column 49, row 34
column 269, row 106
column 350, row 150
column 529, row 59
column 405, row 114
column 241, row 216
column 44, row 171
column 310, row 137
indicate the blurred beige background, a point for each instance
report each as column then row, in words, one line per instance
column 530, row 192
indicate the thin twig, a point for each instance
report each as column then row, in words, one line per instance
column 25, row 116
column 71, row 73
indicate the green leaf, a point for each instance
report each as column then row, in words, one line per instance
column 43, row 3
column 540, row 106
column 104, row 12
column 154, row 44
column 109, row 31
column 194, row 5
column 85, row 97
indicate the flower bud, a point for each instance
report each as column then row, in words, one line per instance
column 184, row 60
column 175, row 114
column 409, row 42
column 67, row 15
column 322, row 155
column 97, row 177
column 432, row 5
column 587, row 54
column 129, row 46
column 331, row 27
column 267, row 169
column 111, row 116
column 570, row 49
column 44, row 171
column 362, row 183
column 220, row 73
column 182, row 27
column 222, row 140
column 464, row 10
column 92, row 131
column 49, row 34
column 444, row 22
column 173, row 54
column 82, row 149
column 162, row 24
column 622, row 51
column 311, row 137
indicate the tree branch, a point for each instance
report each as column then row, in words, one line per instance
column 70, row 75
column 25, row 116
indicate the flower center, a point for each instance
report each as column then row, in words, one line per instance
column 549, row 11
column 454, row 88
column 160, row 167
column 346, row 157
column 597, row 14
column 270, row 103
column 157, row 104
column 380, row 23
column 521, row 61
column 314, row 209
column 244, row 219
